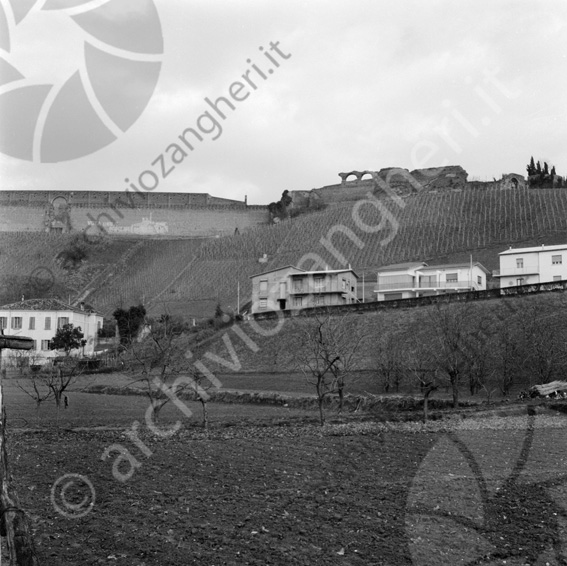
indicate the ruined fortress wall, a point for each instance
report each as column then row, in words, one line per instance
column 119, row 198
column 351, row 190
column 357, row 185
column 179, row 221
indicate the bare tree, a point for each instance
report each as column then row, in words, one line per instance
column 449, row 328
column 543, row 338
column 327, row 351
column 165, row 366
column 157, row 360
column 388, row 353
column 35, row 386
column 420, row 365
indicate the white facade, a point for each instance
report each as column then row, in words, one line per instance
column 411, row 280
column 524, row 266
column 290, row 287
column 39, row 320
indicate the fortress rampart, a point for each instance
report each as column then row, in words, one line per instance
column 357, row 185
column 124, row 214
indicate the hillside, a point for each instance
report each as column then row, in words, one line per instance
column 513, row 342
column 432, row 227
column 191, row 275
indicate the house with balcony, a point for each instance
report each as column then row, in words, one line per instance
column 39, row 320
column 288, row 288
column 539, row 264
column 417, row 279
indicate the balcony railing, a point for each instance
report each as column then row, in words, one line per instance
column 316, row 289
column 426, row 285
column 513, row 271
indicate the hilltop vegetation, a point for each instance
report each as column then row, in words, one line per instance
column 190, row 276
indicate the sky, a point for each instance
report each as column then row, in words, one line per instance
column 96, row 92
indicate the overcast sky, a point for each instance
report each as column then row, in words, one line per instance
column 361, row 84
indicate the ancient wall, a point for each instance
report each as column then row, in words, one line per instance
column 356, row 185
column 121, row 221
column 117, row 198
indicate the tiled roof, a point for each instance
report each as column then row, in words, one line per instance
column 44, row 305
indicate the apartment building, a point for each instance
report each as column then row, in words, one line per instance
column 290, row 287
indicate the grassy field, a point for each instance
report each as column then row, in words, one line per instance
column 120, row 411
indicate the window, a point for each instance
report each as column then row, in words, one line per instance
column 62, row 321
column 263, row 303
column 344, row 284
column 32, row 323
column 452, row 277
column 520, row 281
column 47, row 323
column 3, row 322
column 298, row 286
column 519, row 262
column 319, row 300
column 556, row 260
column 16, row 322
column 263, row 286
column 319, row 281
column 45, row 344
column 34, row 345
column 479, row 279
column 297, row 301
column 557, row 277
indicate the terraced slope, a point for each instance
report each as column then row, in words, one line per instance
column 191, row 275
column 446, row 226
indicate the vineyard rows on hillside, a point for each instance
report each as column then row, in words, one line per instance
column 150, row 270
column 427, row 227
column 431, row 225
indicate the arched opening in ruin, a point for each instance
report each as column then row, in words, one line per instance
column 365, row 174
column 59, row 204
column 514, row 182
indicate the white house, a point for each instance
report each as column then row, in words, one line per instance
column 39, row 320
column 540, row 264
column 417, row 279
column 290, row 287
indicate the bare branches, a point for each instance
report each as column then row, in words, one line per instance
column 327, row 351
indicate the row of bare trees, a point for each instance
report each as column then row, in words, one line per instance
column 478, row 347
column 492, row 347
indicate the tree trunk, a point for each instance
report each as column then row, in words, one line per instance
column 455, row 389
column 14, row 524
column 205, row 413
column 321, row 414
column 320, row 398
